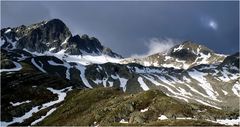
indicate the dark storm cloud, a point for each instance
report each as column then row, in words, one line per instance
column 129, row 27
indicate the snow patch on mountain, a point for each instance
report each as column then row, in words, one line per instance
column 2, row 42
column 17, row 67
column 65, row 64
column 229, row 121
column 19, row 103
column 97, row 81
column 110, row 84
column 146, row 70
column 144, row 110
column 123, row 81
column 199, row 76
column 81, row 59
column 142, row 84
column 65, row 41
column 203, row 58
column 202, row 102
column 224, row 92
column 236, row 89
column 82, row 69
column 37, row 66
column 61, row 95
column 123, row 121
column 170, row 66
column 7, row 31
column 184, row 118
column 162, row 117
column 43, row 117
column 178, row 48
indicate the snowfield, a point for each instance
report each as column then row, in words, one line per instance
column 85, row 59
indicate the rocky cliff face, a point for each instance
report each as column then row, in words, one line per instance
column 40, row 37
column 52, row 36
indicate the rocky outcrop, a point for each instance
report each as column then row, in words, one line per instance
column 232, row 60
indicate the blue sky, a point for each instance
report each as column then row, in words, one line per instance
column 133, row 28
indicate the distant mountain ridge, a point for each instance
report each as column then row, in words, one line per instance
column 181, row 56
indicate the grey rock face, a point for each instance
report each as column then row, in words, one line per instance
column 136, row 117
column 232, row 60
column 52, row 36
column 44, row 36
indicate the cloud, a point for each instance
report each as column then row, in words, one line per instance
column 157, row 45
column 213, row 24
column 209, row 22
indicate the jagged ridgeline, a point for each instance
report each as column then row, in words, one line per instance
column 51, row 77
column 52, row 36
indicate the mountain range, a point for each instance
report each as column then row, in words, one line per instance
column 51, row 77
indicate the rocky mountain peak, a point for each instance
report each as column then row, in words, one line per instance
column 192, row 47
column 189, row 50
column 55, row 22
column 181, row 56
column 83, row 44
column 52, row 36
column 39, row 37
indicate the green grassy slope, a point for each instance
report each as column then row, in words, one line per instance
column 108, row 106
